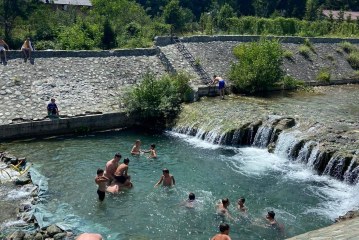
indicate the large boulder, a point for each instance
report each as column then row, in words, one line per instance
column 53, row 230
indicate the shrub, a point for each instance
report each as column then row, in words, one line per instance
column 157, row 101
column 324, row 75
column 347, row 47
column 43, row 45
column 259, row 65
column 309, row 45
column 289, row 82
column 304, row 51
column 353, row 60
column 288, row 54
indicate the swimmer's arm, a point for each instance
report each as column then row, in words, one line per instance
column 154, row 154
column 173, row 180
column 159, row 182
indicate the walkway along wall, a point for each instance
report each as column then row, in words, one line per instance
column 59, row 126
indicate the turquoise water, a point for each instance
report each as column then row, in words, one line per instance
column 302, row 200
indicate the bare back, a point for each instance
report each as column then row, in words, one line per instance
column 221, row 236
column 121, row 170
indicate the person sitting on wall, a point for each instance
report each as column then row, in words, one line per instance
column 26, row 49
column 52, row 110
column 3, row 44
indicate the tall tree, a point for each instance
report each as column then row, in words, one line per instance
column 176, row 15
column 311, row 10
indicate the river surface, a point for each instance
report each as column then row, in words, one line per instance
column 302, row 200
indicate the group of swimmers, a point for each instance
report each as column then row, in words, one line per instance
column 115, row 178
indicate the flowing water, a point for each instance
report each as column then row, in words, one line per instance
column 302, row 200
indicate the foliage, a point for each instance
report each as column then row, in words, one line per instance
column 347, row 47
column 289, row 82
column 44, row 45
column 288, row 54
column 109, row 36
column 259, row 65
column 177, row 16
column 353, row 60
column 324, row 75
column 157, row 100
column 226, row 12
column 304, row 51
column 309, row 45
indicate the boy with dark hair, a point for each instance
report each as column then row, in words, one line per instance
column 101, row 181
column 224, row 232
column 167, row 179
column 241, row 207
column 52, row 109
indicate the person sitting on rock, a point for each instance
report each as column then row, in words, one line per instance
column 52, row 109
column 3, row 44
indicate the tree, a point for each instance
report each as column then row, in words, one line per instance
column 224, row 14
column 175, row 15
column 311, row 10
column 109, row 37
column 260, row 8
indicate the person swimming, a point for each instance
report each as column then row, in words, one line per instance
column 136, row 148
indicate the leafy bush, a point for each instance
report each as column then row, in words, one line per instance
column 347, row 47
column 43, row 45
column 157, row 101
column 259, row 65
column 289, row 82
column 309, row 45
column 353, row 60
column 324, row 75
column 304, row 51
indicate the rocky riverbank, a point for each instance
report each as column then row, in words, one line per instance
column 19, row 196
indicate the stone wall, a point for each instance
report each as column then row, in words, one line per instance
column 215, row 55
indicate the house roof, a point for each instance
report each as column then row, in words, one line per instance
column 354, row 15
column 70, row 2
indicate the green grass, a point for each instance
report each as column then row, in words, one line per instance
column 324, row 75
column 348, row 47
column 288, row 54
column 304, row 51
column 353, row 60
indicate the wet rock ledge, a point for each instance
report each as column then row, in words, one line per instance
column 19, row 195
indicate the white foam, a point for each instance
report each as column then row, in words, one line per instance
column 255, row 161
column 196, row 142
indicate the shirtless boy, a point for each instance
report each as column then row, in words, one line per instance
column 136, row 149
column 222, row 208
column 152, row 151
column 89, row 236
column 111, row 167
column 101, row 181
column 224, row 231
column 240, row 206
column 221, row 85
column 121, row 175
column 167, row 179
column 3, row 44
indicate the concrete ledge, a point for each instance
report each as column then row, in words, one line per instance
column 84, row 53
column 167, row 40
column 65, row 126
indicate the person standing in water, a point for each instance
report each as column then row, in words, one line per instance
column 224, row 232
column 221, row 85
column 136, row 149
column 240, row 206
column 101, row 181
column 152, row 151
column 222, row 208
column 111, row 167
column 167, row 179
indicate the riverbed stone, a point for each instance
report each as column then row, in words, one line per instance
column 52, row 230
column 60, row 236
column 38, row 236
column 18, row 235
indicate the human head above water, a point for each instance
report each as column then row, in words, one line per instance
column 99, row 171
column 242, row 200
column 223, row 227
column 118, row 156
column 153, row 146
column 271, row 214
column 126, row 161
column 191, row 196
column 225, row 201
column 165, row 170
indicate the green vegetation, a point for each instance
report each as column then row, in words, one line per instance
column 289, row 82
column 348, row 47
column 353, row 60
column 304, row 51
column 259, row 65
column 324, row 75
column 158, row 100
column 288, row 54
column 133, row 23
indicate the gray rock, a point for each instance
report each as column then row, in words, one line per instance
column 38, row 236
column 29, row 236
column 18, row 235
column 60, row 236
column 53, row 230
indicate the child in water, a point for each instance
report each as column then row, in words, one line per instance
column 101, row 181
column 152, row 151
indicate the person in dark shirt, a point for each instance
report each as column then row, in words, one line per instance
column 52, row 109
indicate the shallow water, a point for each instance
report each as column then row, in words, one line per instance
column 302, row 200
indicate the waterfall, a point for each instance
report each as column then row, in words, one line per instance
column 351, row 175
column 264, row 134
column 313, row 157
column 287, row 144
column 305, row 152
column 335, row 167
